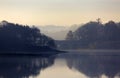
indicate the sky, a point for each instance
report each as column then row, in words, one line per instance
column 58, row 12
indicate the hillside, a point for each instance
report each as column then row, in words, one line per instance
column 15, row 37
column 93, row 35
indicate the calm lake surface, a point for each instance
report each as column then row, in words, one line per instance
column 74, row 64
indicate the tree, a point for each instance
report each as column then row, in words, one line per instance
column 69, row 35
column 111, row 31
column 97, row 34
column 89, row 31
column 19, row 36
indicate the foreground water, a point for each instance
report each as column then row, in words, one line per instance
column 85, row 64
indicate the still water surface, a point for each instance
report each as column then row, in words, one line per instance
column 65, row 65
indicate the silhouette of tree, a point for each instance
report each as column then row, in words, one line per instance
column 99, row 20
column 111, row 31
column 69, row 36
column 89, row 31
column 15, row 36
column 97, row 34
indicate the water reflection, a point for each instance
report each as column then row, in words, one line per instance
column 66, row 65
column 23, row 66
column 94, row 66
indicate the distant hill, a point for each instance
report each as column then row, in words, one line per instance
column 57, row 32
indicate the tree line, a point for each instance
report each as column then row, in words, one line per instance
column 97, row 35
column 15, row 36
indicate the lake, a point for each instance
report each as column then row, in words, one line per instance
column 74, row 64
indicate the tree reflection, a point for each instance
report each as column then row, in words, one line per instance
column 23, row 67
column 95, row 66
